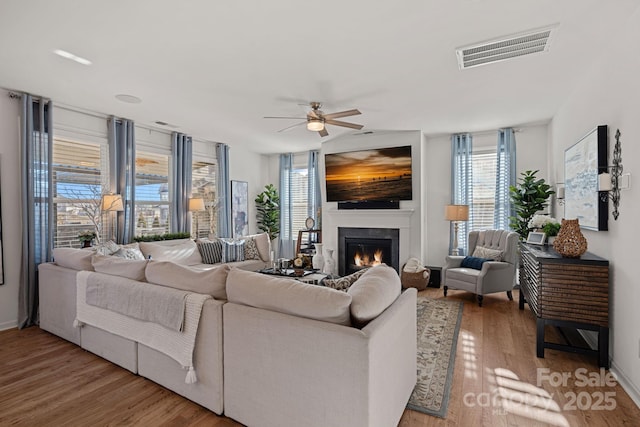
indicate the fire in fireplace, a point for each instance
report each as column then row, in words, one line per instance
column 360, row 248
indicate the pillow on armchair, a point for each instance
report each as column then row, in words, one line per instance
column 473, row 262
column 491, row 254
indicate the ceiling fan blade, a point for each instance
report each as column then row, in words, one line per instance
column 347, row 113
column 292, row 126
column 279, row 117
column 344, row 124
column 323, row 132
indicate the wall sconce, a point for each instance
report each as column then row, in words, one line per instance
column 610, row 183
column 560, row 193
column 456, row 213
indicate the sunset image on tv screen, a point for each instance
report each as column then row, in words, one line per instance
column 379, row 174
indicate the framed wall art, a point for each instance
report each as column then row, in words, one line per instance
column 583, row 161
column 239, row 208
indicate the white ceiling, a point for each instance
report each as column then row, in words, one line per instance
column 215, row 68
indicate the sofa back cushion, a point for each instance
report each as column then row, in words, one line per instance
column 288, row 296
column 211, row 282
column 373, row 292
column 131, row 269
column 183, row 252
column 76, row 259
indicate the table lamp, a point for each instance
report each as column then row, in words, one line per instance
column 456, row 213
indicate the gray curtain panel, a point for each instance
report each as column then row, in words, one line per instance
column 313, row 180
column 36, row 151
column 285, row 244
column 505, row 177
column 224, row 193
column 122, row 173
column 461, row 185
column 182, row 159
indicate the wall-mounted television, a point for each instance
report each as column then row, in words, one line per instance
column 382, row 174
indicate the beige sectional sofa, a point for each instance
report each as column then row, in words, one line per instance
column 275, row 352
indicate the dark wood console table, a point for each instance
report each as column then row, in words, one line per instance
column 566, row 292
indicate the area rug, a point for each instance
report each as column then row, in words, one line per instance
column 438, row 327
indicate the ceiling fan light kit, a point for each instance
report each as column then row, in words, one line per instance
column 316, row 119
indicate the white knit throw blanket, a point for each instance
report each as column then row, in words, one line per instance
column 175, row 344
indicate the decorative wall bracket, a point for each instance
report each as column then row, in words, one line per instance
column 609, row 183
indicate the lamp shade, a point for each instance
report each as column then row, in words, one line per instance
column 112, row 203
column 315, row 125
column 196, row 204
column 456, row 212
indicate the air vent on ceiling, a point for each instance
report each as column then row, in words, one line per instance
column 503, row 48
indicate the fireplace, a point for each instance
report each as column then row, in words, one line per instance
column 359, row 248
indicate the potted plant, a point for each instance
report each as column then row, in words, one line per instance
column 529, row 196
column 86, row 237
column 268, row 211
column 550, row 226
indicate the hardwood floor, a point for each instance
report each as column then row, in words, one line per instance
column 47, row 381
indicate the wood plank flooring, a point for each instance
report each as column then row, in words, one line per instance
column 47, row 381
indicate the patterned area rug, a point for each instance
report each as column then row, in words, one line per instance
column 438, row 327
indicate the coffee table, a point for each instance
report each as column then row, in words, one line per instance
column 308, row 276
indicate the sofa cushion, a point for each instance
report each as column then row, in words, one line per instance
column 491, row 254
column 130, row 251
column 373, row 292
column 211, row 282
column 210, row 251
column 473, row 262
column 182, row 252
column 343, row 283
column 131, row 269
column 288, row 296
column 77, row 259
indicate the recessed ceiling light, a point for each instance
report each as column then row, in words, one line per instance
column 129, row 99
column 71, row 56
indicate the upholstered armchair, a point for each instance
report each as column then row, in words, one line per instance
column 482, row 278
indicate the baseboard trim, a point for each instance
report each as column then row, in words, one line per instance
column 626, row 384
column 8, row 325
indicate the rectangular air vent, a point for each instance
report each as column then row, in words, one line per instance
column 503, row 48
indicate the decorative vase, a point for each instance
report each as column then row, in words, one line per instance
column 318, row 260
column 329, row 262
column 570, row 242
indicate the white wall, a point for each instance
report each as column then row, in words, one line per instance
column 254, row 169
column 531, row 154
column 609, row 94
column 11, row 216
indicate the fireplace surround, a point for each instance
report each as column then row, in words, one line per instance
column 362, row 247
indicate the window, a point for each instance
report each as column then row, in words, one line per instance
column 79, row 179
column 203, row 184
column 484, row 189
column 299, row 199
column 152, row 193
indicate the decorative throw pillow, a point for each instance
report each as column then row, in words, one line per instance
column 473, row 262
column 491, row 254
column 130, row 251
column 232, row 250
column 210, row 250
column 343, row 283
column 108, row 248
column 251, row 249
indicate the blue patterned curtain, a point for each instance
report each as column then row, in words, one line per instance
column 122, row 173
column 505, row 177
column 285, row 245
column 182, row 160
column 461, row 185
column 36, row 150
column 224, row 191
column 315, row 199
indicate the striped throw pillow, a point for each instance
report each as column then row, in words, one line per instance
column 232, row 250
column 210, row 251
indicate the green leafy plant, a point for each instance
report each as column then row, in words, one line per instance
column 529, row 196
column 87, row 235
column 551, row 229
column 268, row 211
column 158, row 237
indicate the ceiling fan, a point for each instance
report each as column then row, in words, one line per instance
column 317, row 120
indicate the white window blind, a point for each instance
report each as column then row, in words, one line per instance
column 484, row 189
column 80, row 174
column 152, row 193
column 203, row 184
